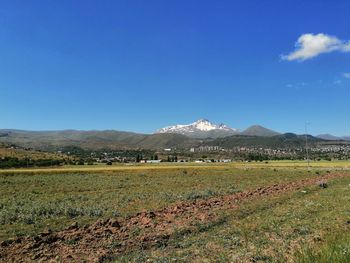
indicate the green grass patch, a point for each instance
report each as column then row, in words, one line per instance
column 336, row 250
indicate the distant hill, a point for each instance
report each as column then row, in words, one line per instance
column 161, row 141
column 46, row 140
column 257, row 130
column 255, row 136
column 287, row 140
column 13, row 152
column 331, row 137
column 109, row 139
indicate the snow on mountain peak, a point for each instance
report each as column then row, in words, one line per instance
column 201, row 125
column 204, row 125
column 223, row 126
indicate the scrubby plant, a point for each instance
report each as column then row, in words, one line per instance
column 323, row 184
column 335, row 251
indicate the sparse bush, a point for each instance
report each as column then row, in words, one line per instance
column 34, row 212
column 95, row 212
column 200, row 195
column 323, row 184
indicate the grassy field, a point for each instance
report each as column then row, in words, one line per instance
column 328, row 165
column 298, row 226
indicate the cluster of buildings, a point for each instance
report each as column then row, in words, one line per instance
column 217, row 154
column 332, row 149
column 206, row 148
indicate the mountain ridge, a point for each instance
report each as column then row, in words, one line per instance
column 207, row 133
column 331, row 137
column 201, row 128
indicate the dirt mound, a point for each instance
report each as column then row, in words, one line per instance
column 114, row 236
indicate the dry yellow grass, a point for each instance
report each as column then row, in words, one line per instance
column 332, row 165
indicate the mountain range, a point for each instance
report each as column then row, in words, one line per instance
column 201, row 132
column 331, row 137
column 108, row 139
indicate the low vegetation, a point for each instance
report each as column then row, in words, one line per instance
column 335, row 249
column 14, row 157
column 292, row 226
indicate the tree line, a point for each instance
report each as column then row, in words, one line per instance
column 13, row 162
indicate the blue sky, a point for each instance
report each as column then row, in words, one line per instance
column 142, row 65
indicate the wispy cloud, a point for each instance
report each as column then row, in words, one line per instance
column 346, row 75
column 311, row 45
column 297, row 86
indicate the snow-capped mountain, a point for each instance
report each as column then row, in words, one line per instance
column 200, row 129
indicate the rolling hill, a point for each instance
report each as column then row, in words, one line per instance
column 109, row 139
column 256, row 136
column 257, row 130
column 13, row 152
column 287, row 140
column 331, row 137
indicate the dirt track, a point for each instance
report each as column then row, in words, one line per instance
column 114, row 236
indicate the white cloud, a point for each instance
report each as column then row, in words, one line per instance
column 346, row 75
column 311, row 45
column 346, row 47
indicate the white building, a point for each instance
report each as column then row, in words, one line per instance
column 153, row 161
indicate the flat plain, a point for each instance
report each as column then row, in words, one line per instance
column 239, row 212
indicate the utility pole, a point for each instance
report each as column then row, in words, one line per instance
column 307, row 147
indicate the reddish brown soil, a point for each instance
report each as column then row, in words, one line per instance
column 115, row 236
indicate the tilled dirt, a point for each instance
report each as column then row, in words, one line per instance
column 106, row 238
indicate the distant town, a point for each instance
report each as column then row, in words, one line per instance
column 214, row 154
